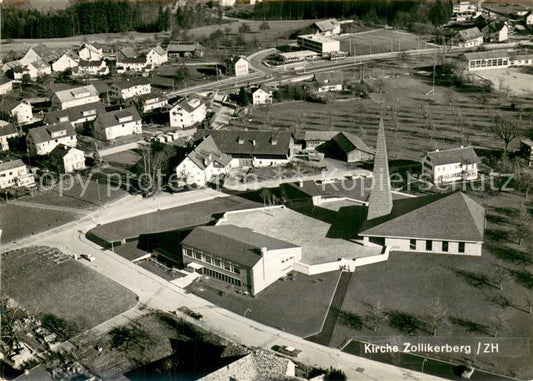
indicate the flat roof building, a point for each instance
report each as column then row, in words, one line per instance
column 319, row 43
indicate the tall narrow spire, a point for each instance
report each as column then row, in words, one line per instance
column 380, row 199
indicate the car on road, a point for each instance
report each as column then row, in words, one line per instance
column 187, row 311
column 286, row 350
column 88, row 257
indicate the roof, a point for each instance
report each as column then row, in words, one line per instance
column 489, row 54
column 8, row 129
column 239, row 245
column 463, row 155
column 110, row 119
column 101, row 87
column 126, row 53
column 328, row 79
column 183, row 47
column 528, row 142
column 73, row 113
column 70, row 94
column 137, row 81
column 258, row 365
column 11, row 165
column 61, row 151
column 318, row 38
column 326, row 25
column 494, row 26
column 470, row 34
column 4, row 80
column 189, row 104
column 159, row 50
column 43, row 133
column 348, row 142
column 208, row 152
column 132, row 60
column 319, row 135
column 91, row 63
column 452, row 216
column 242, row 142
column 45, row 53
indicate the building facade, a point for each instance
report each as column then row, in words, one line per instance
column 262, row 96
column 64, row 99
column 114, row 124
column 444, row 166
column 15, row 173
column 132, row 88
column 320, row 44
column 42, row 140
column 187, row 113
column 22, row 113
column 242, row 67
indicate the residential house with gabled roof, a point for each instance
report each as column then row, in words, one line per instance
column 10, row 65
column 91, row 68
column 332, row 81
column 42, row 140
column 469, row 38
column 114, row 124
column 147, row 103
column 135, row 64
column 39, row 52
column 15, row 173
column 187, row 112
column 185, row 50
column 68, row 60
column 64, row 99
column 351, row 148
column 329, row 27
column 156, row 56
column 262, row 95
column 20, row 111
column 496, row 31
column 444, row 166
column 76, row 115
column 7, row 131
column 241, row 67
column 247, row 260
column 67, row 159
column 6, row 85
column 90, row 52
column 131, row 88
column 34, row 70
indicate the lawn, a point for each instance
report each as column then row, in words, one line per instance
column 469, row 289
column 298, row 304
column 67, row 289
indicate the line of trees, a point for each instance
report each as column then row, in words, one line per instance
column 101, row 16
column 399, row 13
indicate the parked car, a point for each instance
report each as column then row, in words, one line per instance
column 286, row 350
column 88, row 257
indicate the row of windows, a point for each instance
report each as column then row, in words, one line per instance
column 217, row 262
column 224, row 277
column 489, row 62
column 429, row 246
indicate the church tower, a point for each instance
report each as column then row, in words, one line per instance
column 380, row 199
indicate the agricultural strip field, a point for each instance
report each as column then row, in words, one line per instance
column 45, row 281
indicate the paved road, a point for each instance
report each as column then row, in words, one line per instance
column 158, row 293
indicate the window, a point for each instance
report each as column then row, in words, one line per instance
column 461, row 247
column 445, row 246
column 412, row 244
column 429, row 245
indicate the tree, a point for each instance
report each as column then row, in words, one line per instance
column 244, row 28
column 334, row 375
column 376, row 315
column 438, row 315
column 506, row 129
column 522, row 224
column 154, row 161
column 264, row 26
column 243, row 99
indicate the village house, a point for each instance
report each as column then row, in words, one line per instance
column 20, row 111
column 185, row 50
column 10, row 65
column 469, row 38
column 350, row 148
column 464, row 10
column 39, row 53
column 241, row 67
column 7, row 131
column 6, row 85
column 187, row 112
column 331, row 81
column 90, row 52
column 34, row 70
column 329, row 27
column 64, row 99
column 135, row 64
column 68, row 60
column 247, row 260
column 42, row 140
column 15, row 173
column 91, row 68
column 443, row 166
column 131, row 88
column 114, row 124
column 156, row 57
column 76, row 115
column 496, row 31
column 261, row 96
column 149, row 102
column 67, row 159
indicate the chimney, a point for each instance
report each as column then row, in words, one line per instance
column 263, row 251
column 253, row 142
column 301, row 183
column 240, row 140
column 274, row 140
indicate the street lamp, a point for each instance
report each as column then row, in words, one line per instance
column 423, row 362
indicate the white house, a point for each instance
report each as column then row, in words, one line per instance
column 68, row 60
column 493, row 59
column 91, row 68
column 68, row 159
column 319, row 43
column 496, row 32
column 135, row 64
column 22, row 112
column 75, row 115
column 15, row 173
column 114, row 124
column 89, row 52
column 132, row 88
column 150, row 102
column 64, row 99
column 247, row 260
column 187, row 113
column 464, row 10
column 6, row 85
column 42, row 140
column 262, row 96
column 156, row 56
column 331, row 81
column 226, row 3
column 39, row 52
column 242, row 67
column 444, row 166
column 34, row 69
column 329, row 27
column 469, row 38
column 7, row 131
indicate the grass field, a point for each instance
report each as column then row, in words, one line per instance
column 469, row 288
column 68, row 289
column 303, row 300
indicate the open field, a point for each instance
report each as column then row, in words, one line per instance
column 474, row 291
column 382, row 41
column 303, row 300
column 62, row 287
column 511, row 79
column 126, row 158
